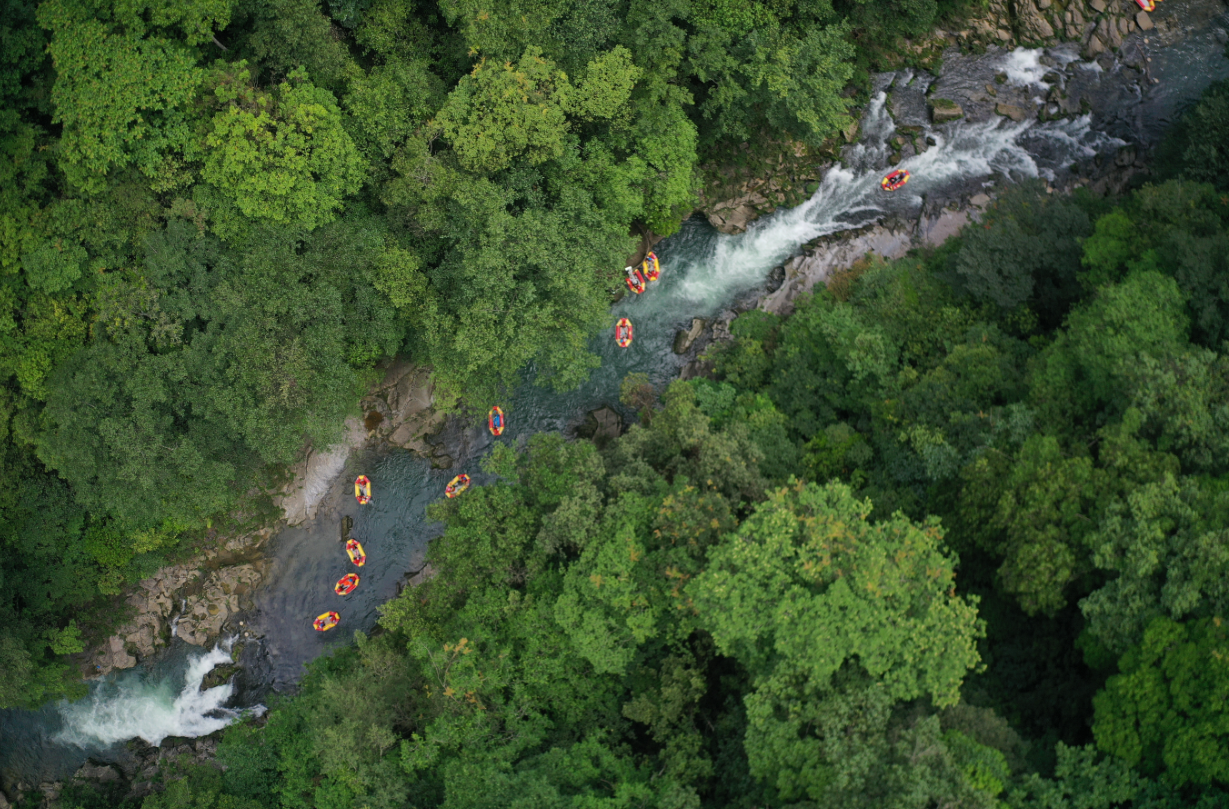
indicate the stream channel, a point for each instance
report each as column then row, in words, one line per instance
column 703, row 273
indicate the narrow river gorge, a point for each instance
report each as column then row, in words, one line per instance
column 1093, row 114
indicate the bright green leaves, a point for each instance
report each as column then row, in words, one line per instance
column 1167, row 711
column 502, row 112
column 606, row 85
column 808, row 589
column 834, row 587
column 121, row 99
column 281, row 158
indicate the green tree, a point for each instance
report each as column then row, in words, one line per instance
column 823, row 607
column 1165, row 713
column 281, row 158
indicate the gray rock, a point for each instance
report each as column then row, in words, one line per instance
column 943, row 110
column 1143, row 21
column 980, row 200
column 207, row 612
column 102, row 773
column 684, row 339
column 1093, row 48
column 1011, row 111
column 1097, row 6
column 601, row 425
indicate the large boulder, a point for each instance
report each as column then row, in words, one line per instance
column 1011, row 111
column 315, row 475
column 684, row 339
column 943, row 110
column 601, row 425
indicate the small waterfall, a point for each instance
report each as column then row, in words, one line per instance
column 133, row 706
column 183, row 605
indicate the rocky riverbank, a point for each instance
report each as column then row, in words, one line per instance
column 751, row 183
column 204, row 597
column 822, row 259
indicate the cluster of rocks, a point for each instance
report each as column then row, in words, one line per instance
column 736, row 195
column 1098, row 25
column 398, row 410
column 177, row 592
column 137, row 773
column 222, row 596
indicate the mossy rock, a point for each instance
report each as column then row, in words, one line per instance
column 218, row 676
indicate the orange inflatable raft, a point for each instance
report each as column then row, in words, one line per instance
column 651, row 267
column 362, row 490
column 325, row 622
column 894, row 180
column 456, row 486
column 623, row 333
column 346, row 584
column 495, row 421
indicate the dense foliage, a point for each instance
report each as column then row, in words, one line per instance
column 953, row 534
column 912, row 546
column 216, row 217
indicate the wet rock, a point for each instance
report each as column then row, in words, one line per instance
column 421, row 577
column 1093, row 48
column 943, row 110
column 1143, row 21
column 696, row 368
column 115, row 656
column 1222, row 36
column 601, row 425
column 1033, row 25
column 1011, row 111
column 1097, row 6
column 684, row 339
column 347, row 525
column 410, row 398
column 1125, row 156
column 315, row 475
column 99, row 773
column 4, row 802
column 219, row 675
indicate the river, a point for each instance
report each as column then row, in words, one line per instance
column 703, row 272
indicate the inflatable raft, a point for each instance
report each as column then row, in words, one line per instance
column 346, row 584
column 325, row 622
column 457, row 485
column 623, row 333
column 495, row 421
column 635, row 281
column 355, row 552
column 894, row 180
column 362, row 490
column 1146, row 5
column 651, row 267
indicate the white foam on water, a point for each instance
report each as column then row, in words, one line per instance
column 1024, row 68
column 131, row 707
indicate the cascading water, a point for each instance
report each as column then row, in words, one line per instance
column 150, row 704
column 702, row 272
column 120, row 710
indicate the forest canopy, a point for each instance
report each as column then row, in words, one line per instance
column 217, row 217
column 952, row 534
